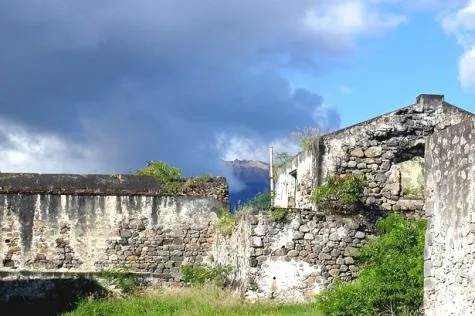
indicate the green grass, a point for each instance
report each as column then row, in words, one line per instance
column 188, row 301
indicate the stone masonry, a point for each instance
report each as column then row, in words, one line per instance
column 72, row 223
column 388, row 150
column 449, row 267
column 293, row 259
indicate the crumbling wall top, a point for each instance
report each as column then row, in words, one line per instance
column 97, row 184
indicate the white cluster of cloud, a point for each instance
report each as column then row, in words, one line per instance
column 22, row 149
column 461, row 24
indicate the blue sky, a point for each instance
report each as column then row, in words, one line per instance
column 389, row 71
column 104, row 86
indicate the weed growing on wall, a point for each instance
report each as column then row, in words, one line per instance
column 198, row 274
column 227, row 222
column 161, row 170
column 170, row 177
column 307, row 138
column 279, row 214
column 261, row 200
column 339, row 194
column 391, row 280
column 281, row 158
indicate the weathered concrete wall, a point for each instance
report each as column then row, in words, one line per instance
column 295, row 180
column 450, row 208
column 294, row 259
column 235, row 251
column 388, row 149
column 85, row 223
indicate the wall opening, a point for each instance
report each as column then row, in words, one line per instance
column 293, row 188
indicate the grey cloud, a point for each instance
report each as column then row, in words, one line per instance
column 158, row 79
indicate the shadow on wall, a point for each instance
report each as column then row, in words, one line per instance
column 46, row 296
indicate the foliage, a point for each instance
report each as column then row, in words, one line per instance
column 279, row 214
column 281, row 158
column 204, row 177
column 227, row 221
column 169, row 177
column 121, row 278
column 197, row 274
column 197, row 300
column 261, row 200
column 161, row 170
column 307, row 138
column 339, row 194
column 391, row 279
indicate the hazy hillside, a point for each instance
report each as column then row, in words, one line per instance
column 253, row 174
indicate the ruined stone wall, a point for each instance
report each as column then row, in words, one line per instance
column 293, row 259
column 295, row 180
column 86, row 223
column 388, row 149
column 449, row 267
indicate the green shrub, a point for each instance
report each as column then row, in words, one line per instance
column 161, row 170
column 391, row 278
column 261, row 200
column 307, row 138
column 204, row 178
column 279, row 214
column 227, row 221
column 121, row 278
column 339, row 194
column 169, row 177
column 197, row 274
column 281, row 158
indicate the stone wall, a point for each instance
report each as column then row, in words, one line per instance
column 293, row 259
column 86, row 223
column 450, row 208
column 388, row 149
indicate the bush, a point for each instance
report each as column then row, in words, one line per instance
column 227, row 221
column 279, row 214
column 169, row 177
column 197, row 274
column 391, row 279
column 339, row 194
column 261, row 200
column 307, row 138
column 161, row 170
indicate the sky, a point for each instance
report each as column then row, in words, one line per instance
column 104, row 86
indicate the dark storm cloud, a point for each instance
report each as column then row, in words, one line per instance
column 158, row 79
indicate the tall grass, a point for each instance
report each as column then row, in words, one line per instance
column 203, row 300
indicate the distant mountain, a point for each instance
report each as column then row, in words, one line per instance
column 253, row 174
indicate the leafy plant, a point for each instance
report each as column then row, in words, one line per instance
column 161, row 170
column 169, row 177
column 391, row 278
column 121, row 278
column 281, row 158
column 198, row 274
column 227, row 221
column 339, row 194
column 307, row 138
column 279, row 214
column 261, row 200
column 204, row 178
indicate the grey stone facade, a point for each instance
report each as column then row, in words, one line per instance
column 293, row 259
column 449, row 268
column 52, row 224
column 89, row 228
column 388, row 149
